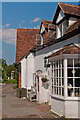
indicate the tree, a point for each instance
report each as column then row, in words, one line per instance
column 9, row 69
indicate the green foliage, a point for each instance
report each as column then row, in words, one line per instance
column 10, row 68
column 10, row 81
column 0, row 81
column 5, row 70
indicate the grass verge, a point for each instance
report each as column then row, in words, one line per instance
column 8, row 81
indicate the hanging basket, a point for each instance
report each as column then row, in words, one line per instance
column 44, row 79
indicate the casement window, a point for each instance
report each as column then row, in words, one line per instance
column 73, row 77
column 42, row 37
column 58, row 78
column 59, row 30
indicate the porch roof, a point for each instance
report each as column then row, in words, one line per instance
column 68, row 49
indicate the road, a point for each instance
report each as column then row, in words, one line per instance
column 13, row 107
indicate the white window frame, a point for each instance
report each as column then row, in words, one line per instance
column 57, row 86
column 73, row 77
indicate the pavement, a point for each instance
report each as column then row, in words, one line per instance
column 13, row 107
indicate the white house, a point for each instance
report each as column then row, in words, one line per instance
column 56, row 59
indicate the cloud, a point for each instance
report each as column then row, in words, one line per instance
column 37, row 27
column 36, row 19
column 9, row 36
column 7, row 25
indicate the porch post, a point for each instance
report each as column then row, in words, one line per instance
column 65, row 78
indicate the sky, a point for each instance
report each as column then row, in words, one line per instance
column 22, row 15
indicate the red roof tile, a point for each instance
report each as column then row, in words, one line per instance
column 68, row 49
column 74, row 26
column 74, row 29
column 69, row 9
column 26, row 39
column 46, row 23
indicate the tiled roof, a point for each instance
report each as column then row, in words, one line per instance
column 74, row 29
column 68, row 9
column 68, row 49
column 26, row 39
column 47, row 22
column 74, row 26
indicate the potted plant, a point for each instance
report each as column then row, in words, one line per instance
column 44, row 79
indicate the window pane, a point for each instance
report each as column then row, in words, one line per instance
column 56, row 73
column 77, row 72
column 59, row 72
column 70, row 92
column 57, row 81
column 60, row 82
column 77, row 63
column 77, row 82
column 59, row 91
column 70, row 82
column 70, row 72
column 54, row 90
column 62, row 91
column 77, row 92
column 70, row 63
column 56, row 64
column 54, row 81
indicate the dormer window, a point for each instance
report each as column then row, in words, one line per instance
column 58, row 31
column 42, row 37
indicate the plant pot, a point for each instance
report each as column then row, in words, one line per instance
column 44, row 79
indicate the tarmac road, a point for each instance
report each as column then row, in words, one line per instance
column 13, row 107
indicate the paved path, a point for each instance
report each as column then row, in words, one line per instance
column 13, row 107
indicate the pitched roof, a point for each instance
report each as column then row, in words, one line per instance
column 68, row 49
column 26, row 39
column 46, row 23
column 73, row 30
column 74, row 26
column 68, row 9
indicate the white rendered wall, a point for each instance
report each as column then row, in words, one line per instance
column 23, row 73
column 72, row 21
column 30, row 70
column 43, row 92
column 58, row 106
column 42, row 28
column 60, row 16
column 39, row 58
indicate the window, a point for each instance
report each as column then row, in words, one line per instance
column 73, row 77
column 58, row 78
column 46, row 63
column 60, row 28
column 42, row 37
